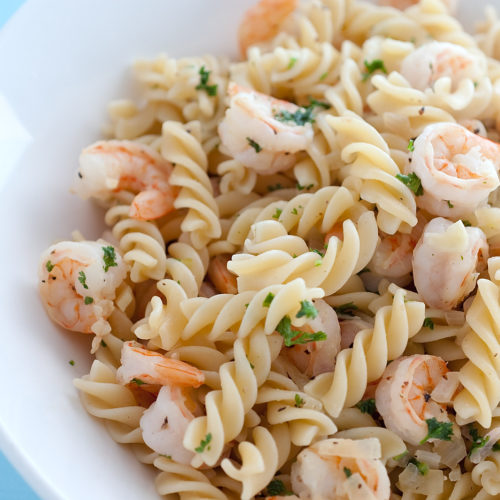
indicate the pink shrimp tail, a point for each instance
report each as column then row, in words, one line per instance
column 151, row 204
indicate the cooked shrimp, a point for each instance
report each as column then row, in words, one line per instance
column 263, row 21
column 164, row 424
column 341, row 469
column 223, row 280
column 78, row 281
column 435, row 60
column 318, row 357
column 404, row 4
column 446, row 262
column 457, row 169
column 349, row 328
column 108, row 167
column 151, row 367
column 403, row 396
column 252, row 133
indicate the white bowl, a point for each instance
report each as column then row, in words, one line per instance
column 60, row 63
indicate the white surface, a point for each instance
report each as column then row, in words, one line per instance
column 60, row 63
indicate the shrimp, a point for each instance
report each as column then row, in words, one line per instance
column 404, row 4
column 349, row 328
column 109, row 167
column 446, row 260
column 341, row 469
column 165, row 422
column 457, row 169
column 150, row 367
column 435, row 60
column 318, row 357
column 223, row 280
column 78, row 282
column 263, row 21
column 403, row 396
column 259, row 131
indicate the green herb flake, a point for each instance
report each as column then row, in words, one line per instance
column 477, row 440
column 211, row 90
column 438, row 430
column 277, row 488
column 88, row 300
column 321, row 254
column 348, row 309
column 299, row 402
column 166, row 456
column 323, row 76
column 422, row 467
column 367, row 406
column 496, row 447
column 294, row 337
column 371, row 67
column 301, row 188
column 318, row 263
column 397, row 458
column 103, row 344
column 319, row 104
column 277, row 214
column 254, row 145
column 466, row 223
column 303, row 115
column 307, row 309
column 294, row 211
column 413, row 182
column 71, row 362
column 138, row 381
column 49, row 266
column 411, row 145
column 204, row 444
column 83, row 279
column 292, row 62
column 109, row 258
column 274, row 187
column 476, row 84
column 246, row 305
column 450, row 204
column 428, row 323
column 269, row 298
column 347, row 472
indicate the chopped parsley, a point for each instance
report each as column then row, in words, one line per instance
column 138, row 381
column 274, row 187
column 103, row 344
column 109, row 258
column 411, row 145
column 438, row 430
column 88, row 300
column 292, row 62
column 301, row 188
column 211, row 90
column 477, row 440
column 254, row 145
column 304, row 114
column 83, row 279
column 371, row 67
column 299, row 402
column 307, row 309
column 49, row 266
column 269, row 298
column 367, row 406
column 466, row 223
column 318, row 263
column 397, row 458
column 323, row 76
column 423, row 468
column 348, row 309
column 294, row 337
column 318, row 104
column 321, row 254
column 71, row 362
column 413, row 182
column 450, row 204
column 428, row 323
column 277, row 214
column 347, row 472
column 166, row 456
column 496, row 447
column 294, row 211
column 204, row 444
column 277, row 488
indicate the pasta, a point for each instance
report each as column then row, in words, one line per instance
column 298, row 291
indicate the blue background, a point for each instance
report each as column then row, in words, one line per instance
column 12, row 486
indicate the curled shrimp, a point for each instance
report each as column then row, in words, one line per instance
column 341, row 469
column 109, row 167
column 446, row 262
column 457, row 169
column 435, row 60
column 78, row 282
column 263, row 21
column 349, row 328
column 317, row 357
column 404, row 395
column 222, row 279
column 150, row 367
column 256, row 130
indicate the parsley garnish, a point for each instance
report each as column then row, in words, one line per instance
column 466, row 223
column 421, row 466
column 413, row 182
column 269, row 298
column 438, row 430
column 450, row 204
column 477, row 440
column 496, row 447
column 321, row 254
column 138, row 381
column 109, row 258
column 371, row 67
column 88, row 300
column 82, row 279
column 299, row 402
column 411, row 145
column 103, row 344
column 276, row 488
column 400, row 456
column 367, row 406
column 348, row 309
column 254, row 145
column 301, row 188
column 294, row 211
column 49, row 266
column 166, row 456
column 307, row 309
column 292, row 62
column 428, row 323
column 211, row 90
column 323, row 76
column 304, row 114
column 318, row 104
column 71, row 362
column 204, row 444
column 277, row 214
column 294, row 337
column 275, row 187
column 347, row 472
